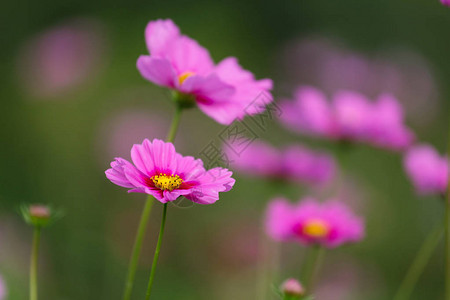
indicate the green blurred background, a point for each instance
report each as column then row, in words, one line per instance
column 56, row 145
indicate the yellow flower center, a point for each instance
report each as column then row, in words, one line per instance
column 184, row 76
column 167, row 182
column 316, row 228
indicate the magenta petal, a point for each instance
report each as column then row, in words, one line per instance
column 186, row 55
column 427, row 169
column 188, row 167
column 135, row 177
column 157, row 70
column 159, row 34
column 252, row 95
column 279, row 219
column 210, row 184
column 117, row 173
column 208, row 90
column 143, row 161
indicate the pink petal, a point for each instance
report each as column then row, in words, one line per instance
column 186, row 55
column 159, row 34
column 157, row 70
column 117, row 173
column 210, row 184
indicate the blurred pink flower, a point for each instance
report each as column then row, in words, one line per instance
column 294, row 162
column 446, row 2
column 427, row 169
column 350, row 116
column 62, row 58
column 160, row 171
column 3, row 290
column 329, row 64
column 292, row 287
column 224, row 92
column 330, row 224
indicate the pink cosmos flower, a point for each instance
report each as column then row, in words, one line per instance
column 63, row 58
column 330, row 64
column 445, row 2
column 427, row 169
column 160, row 171
column 350, row 116
column 329, row 224
column 295, row 163
column 224, row 91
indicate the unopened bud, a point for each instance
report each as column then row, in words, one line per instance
column 39, row 211
column 292, row 287
column 39, row 215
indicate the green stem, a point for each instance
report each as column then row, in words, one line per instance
column 157, row 250
column 419, row 263
column 447, row 231
column 33, row 264
column 312, row 265
column 137, row 247
column 174, row 125
column 447, row 245
column 132, row 268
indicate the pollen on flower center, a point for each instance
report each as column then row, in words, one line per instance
column 316, row 228
column 184, row 76
column 167, row 182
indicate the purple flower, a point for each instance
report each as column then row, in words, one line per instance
column 63, row 58
column 445, row 2
column 160, row 171
column 295, row 163
column 349, row 116
column 328, row 63
column 309, row 222
column 224, row 91
column 427, row 169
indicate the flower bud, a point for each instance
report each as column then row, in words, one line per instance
column 38, row 215
column 292, row 287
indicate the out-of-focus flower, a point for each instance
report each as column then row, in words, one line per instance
column 427, row 169
column 160, row 171
column 3, row 290
column 39, row 215
column 445, row 2
column 292, row 287
column 62, row 58
column 328, row 63
column 310, row 222
column 295, row 163
column 224, row 91
column 349, row 116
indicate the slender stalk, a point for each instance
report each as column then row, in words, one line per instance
column 447, row 232
column 311, row 267
column 157, row 250
column 132, row 268
column 174, row 125
column 419, row 263
column 33, row 264
column 447, row 245
column 137, row 247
